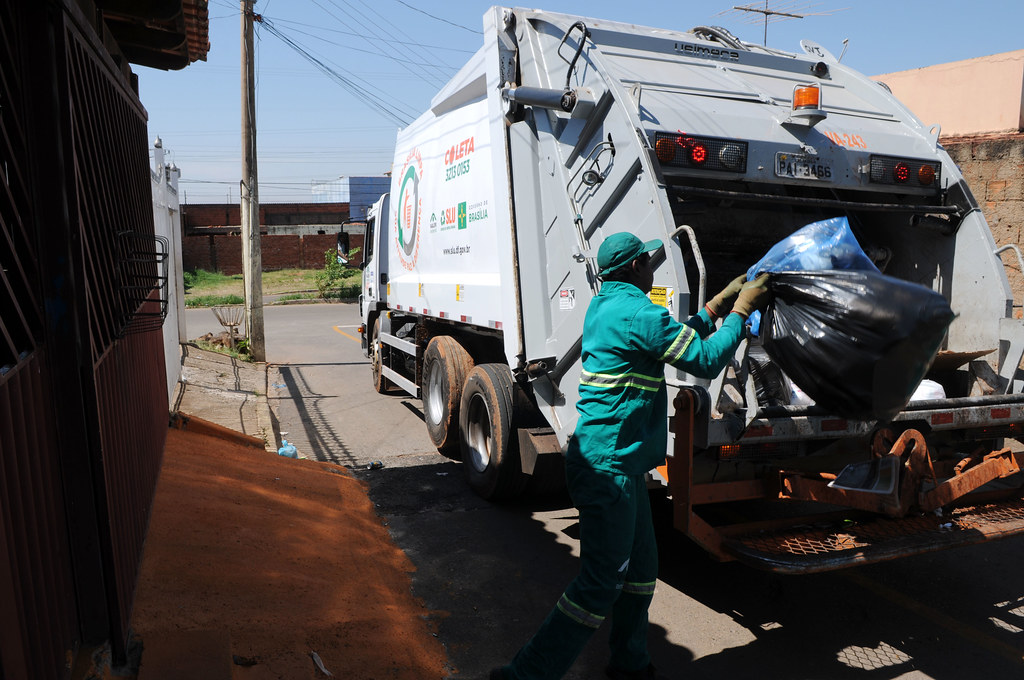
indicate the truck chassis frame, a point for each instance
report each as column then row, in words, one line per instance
column 921, row 513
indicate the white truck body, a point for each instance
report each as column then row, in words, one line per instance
column 562, row 130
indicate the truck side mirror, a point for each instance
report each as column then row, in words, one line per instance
column 343, row 247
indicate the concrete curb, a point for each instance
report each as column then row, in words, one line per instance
column 224, row 397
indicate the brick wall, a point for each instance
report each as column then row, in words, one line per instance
column 993, row 166
column 197, row 252
column 211, row 236
column 198, row 215
column 202, row 215
column 223, row 252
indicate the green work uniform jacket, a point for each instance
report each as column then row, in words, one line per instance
column 623, row 403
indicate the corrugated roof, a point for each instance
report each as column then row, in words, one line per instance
column 163, row 34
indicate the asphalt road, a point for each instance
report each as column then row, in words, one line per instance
column 489, row 573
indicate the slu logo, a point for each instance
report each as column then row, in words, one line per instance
column 454, row 217
column 409, row 207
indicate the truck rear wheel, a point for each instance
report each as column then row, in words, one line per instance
column 445, row 365
column 489, row 440
column 380, row 383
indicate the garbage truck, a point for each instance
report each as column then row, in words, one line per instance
column 480, row 262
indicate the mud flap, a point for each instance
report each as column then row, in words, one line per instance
column 534, row 442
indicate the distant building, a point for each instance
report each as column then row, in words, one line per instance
column 292, row 235
column 359, row 192
column 167, row 225
column 979, row 105
column 984, row 95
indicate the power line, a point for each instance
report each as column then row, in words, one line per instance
column 405, row 42
column 417, row 9
column 375, row 101
column 375, row 31
column 353, row 33
column 376, row 52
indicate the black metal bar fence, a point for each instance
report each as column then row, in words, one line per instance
column 83, row 405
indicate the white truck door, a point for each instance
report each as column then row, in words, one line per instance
column 375, row 257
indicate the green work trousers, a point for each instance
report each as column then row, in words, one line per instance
column 618, row 570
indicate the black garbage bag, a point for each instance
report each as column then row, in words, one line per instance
column 770, row 383
column 857, row 342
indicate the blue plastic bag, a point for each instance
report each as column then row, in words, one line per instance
column 288, row 450
column 828, row 244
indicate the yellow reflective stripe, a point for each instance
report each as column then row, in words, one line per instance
column 679, row 345
column 639, row 588
column 618, row 380
column 578, row 613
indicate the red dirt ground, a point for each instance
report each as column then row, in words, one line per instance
column 288, row 557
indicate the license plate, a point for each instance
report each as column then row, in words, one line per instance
column 802, row 166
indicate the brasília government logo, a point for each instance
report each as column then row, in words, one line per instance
column 407, row 218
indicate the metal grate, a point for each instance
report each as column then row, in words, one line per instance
column 143, row 273
column 816, row 548
column 83, row 402
column 20, row 308
column 39, row 617
column 121, row 275
column 115, row 204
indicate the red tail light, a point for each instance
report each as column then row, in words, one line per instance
column 698, row 154
column 904, row 171
column 681, row 150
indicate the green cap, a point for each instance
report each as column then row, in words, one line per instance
column 620, row 249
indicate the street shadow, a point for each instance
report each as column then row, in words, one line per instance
column 414, row 409
column 841, row 624
column 324, row 441
column 324, row 363
column 489, row 574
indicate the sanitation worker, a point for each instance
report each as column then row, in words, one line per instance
column 621, row 433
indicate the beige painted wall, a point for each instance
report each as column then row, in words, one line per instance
column 974, row 96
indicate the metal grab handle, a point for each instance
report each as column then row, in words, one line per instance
column 1015, row 249
column 698, row 258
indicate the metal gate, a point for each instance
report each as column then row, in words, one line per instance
column 83, row 404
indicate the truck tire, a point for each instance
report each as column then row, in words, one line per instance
column 380, row 383
column 489, row 440
column 445, row 366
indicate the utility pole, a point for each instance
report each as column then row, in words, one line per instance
column 252, row 258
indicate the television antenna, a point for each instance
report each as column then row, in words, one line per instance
column 792, row 9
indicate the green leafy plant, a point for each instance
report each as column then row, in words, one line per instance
column 211, row 289
column 330, row 281
column 298, row 296
column 213, row 300
column 240, row 351
column 200, row 278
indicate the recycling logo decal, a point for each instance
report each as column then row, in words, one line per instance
column 409, row 210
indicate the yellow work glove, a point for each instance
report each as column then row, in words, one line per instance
column 719, row 305
column 753, row 295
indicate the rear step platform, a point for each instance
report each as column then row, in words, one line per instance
column 805, row 550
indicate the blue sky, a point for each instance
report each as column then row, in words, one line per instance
column 312, row 126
